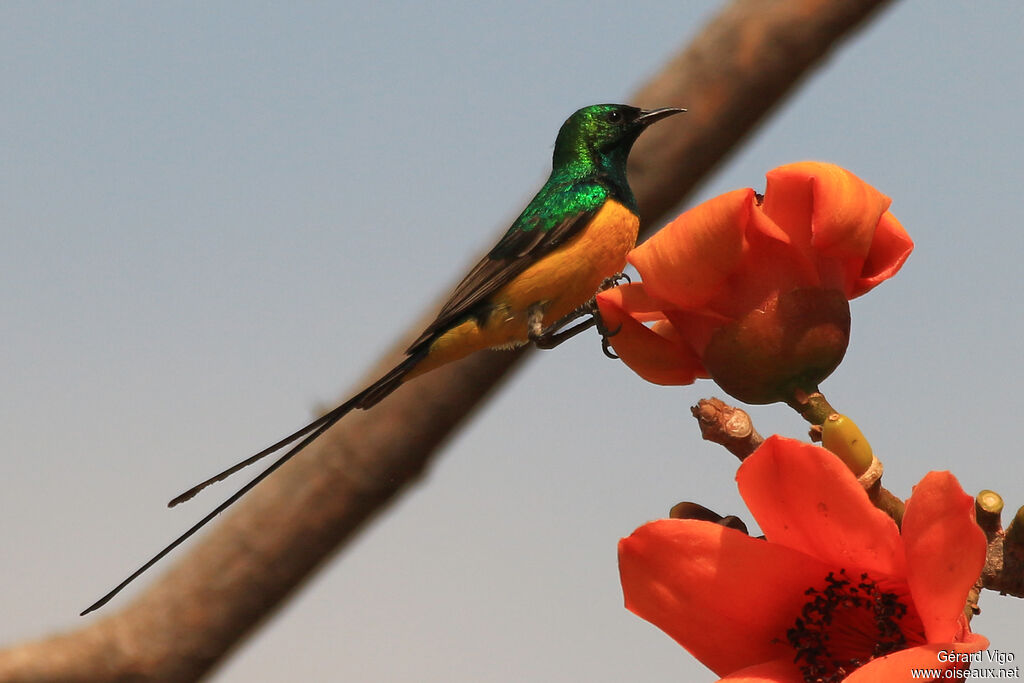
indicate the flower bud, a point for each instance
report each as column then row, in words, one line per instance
column 842, row 436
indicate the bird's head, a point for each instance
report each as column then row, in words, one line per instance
column 603, row 134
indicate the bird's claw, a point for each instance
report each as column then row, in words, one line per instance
column 614, row 281
column 606, row 335
column 607, row 349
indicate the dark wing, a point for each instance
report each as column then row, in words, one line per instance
column 515, row 252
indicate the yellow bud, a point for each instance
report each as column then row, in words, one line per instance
column 842, row 436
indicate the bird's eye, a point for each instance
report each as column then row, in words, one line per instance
column 614, row 116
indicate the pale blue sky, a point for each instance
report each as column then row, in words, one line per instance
column 214, row 217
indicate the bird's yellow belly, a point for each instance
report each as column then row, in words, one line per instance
column 558, row 284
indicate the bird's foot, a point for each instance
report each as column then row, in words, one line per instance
column 552, row 336
column 606, row 334
column 614, row 281
column 549, row 338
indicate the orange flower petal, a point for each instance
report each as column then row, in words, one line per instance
column 897, row 666
column 789, row 203
column 724, row 596
column 776, row 671
column 846, row 211
column 655, row 353
column 945, row 552
column 804, row 498
column 687, row 260
column 833, row 216
column 776, row 265
column 889, row 251
column 636, row 301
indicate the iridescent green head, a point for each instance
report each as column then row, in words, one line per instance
column 593, row 146
column 599, row 137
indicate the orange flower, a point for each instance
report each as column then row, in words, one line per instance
column 834, row 588
column 753, row 291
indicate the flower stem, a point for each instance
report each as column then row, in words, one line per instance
column 814, row 408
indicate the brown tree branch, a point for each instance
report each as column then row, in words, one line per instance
column 727, row 425
column 1004, row 561
column 743, row 63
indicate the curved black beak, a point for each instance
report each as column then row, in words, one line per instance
column 649, row 116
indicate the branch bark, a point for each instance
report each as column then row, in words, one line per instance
column 743, row 63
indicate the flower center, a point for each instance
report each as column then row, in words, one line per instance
column 847, row 624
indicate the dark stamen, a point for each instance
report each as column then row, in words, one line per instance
column 840, row 600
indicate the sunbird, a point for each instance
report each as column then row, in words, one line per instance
column 569, row 241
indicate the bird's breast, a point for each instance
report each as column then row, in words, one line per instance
column 569, row 277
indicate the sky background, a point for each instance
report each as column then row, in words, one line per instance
column 214, row 217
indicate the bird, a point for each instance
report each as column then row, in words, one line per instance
column 569, row 242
